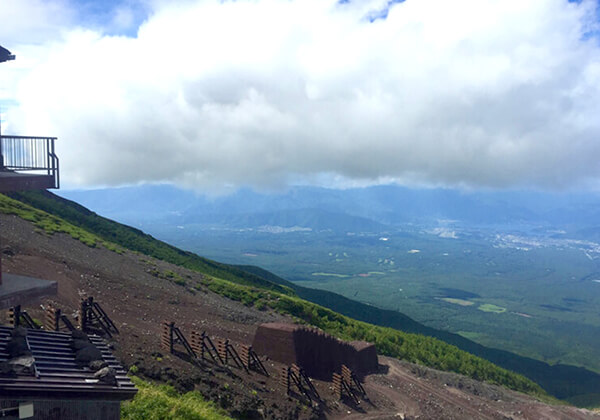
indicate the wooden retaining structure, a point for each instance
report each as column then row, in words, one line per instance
column 172, row 335
column 341, row 388
column 18, row 317
column 251, row 361
column 292, row 377
column 54, row 319
column 227, row 352
column 352, row 380
column 92, row 315
column 201, row 343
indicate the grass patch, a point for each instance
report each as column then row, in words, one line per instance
column 460, row 302
column 488, row 307
column 154, row 402
column 49, row 224
column 471, row 335
column 341, row 276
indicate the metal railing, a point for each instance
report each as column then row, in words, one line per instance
column 29, row 154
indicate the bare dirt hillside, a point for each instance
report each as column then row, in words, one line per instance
column 132, row 290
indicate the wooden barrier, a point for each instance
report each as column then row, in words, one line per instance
column 54, row 319
column 172, row 335
column 14, row 316
column 93, row 316
column 251, row 361
column 290, row 379
column 284, row 379
column 166, row 337
column 305, row 380
column 228, row 353
column 222, row 350
column 341, row 388
column 201, row 343
column 18, row 317
column 352, row 380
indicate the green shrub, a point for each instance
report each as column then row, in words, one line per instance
column 154, row 402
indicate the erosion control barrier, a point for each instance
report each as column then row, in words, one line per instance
column 56, row 321
column 251, row 360
column 318, row 353
column 92, row 316
column 18, row 317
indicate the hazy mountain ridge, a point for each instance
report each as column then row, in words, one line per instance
column 385, row 205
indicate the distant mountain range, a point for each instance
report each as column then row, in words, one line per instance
column 361, row 209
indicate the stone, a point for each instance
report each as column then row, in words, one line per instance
column 107, row 375
column 23, row 365
column 86, row 355
column 96, row 365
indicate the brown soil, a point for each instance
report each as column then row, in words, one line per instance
column 138, row 302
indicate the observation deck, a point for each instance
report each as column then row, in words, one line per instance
column 28, row 163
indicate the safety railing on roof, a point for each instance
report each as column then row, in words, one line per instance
column 29, row 154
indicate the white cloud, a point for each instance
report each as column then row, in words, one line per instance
column 264, row 92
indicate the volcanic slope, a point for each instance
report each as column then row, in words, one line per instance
column 572, row 383
column 138, row 301
column 140, row 292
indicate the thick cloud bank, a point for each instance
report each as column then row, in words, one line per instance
column 265, row 92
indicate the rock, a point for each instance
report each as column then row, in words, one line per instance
column 23, row 365
column 88, row 354
column 96, row 365
column 80, row 344
column 79, row 335
column 17, row 346
column 8, row 251
column 107, row 375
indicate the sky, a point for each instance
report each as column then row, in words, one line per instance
column 217, row 95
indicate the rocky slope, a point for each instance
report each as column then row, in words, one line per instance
column 138, row 293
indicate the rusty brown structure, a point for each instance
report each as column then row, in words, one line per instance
column 318, row 353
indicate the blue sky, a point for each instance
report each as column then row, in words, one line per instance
column 217, row 95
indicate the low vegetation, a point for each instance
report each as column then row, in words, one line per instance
column 154, row 402
column 49, row 224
